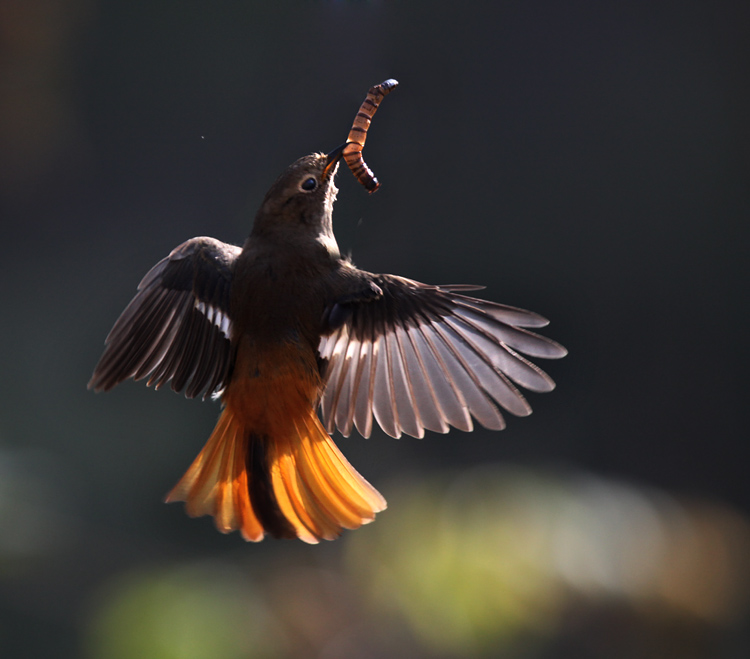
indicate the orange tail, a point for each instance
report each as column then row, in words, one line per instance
column 297, row 485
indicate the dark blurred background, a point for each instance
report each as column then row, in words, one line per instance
column 585, row 160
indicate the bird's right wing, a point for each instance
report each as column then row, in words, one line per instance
column 418, row 357
column 177, row 327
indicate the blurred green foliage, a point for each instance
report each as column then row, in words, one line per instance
column 181, row 612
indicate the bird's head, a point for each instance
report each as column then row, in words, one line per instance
column 301, row 199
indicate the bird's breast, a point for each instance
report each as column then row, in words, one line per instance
column 278, row 297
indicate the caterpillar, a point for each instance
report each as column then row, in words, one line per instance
column 352, row 152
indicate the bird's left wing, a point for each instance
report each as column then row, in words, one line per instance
column 418, row 357
column 177, row 327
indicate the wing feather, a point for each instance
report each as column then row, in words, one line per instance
column 456, row 356
column 178, row 326
column 364, row 393
column 424, row 391
column 383, row 401
column 417, row 357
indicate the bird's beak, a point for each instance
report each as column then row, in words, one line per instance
column 332, row 160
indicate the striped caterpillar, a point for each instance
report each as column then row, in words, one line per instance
column 352, row 152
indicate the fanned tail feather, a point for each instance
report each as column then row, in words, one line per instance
column 309, row 483
column 217, row 483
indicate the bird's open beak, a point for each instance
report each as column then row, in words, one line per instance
column 333, row 158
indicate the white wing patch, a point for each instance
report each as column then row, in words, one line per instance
column 215, row 316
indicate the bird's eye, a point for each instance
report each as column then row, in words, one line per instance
column 309, row 184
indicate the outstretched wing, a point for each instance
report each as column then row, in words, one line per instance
column 177, row 327
column 416, row 356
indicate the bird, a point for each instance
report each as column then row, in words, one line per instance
column 284, row 326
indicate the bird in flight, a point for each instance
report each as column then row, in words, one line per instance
column 285, row 325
